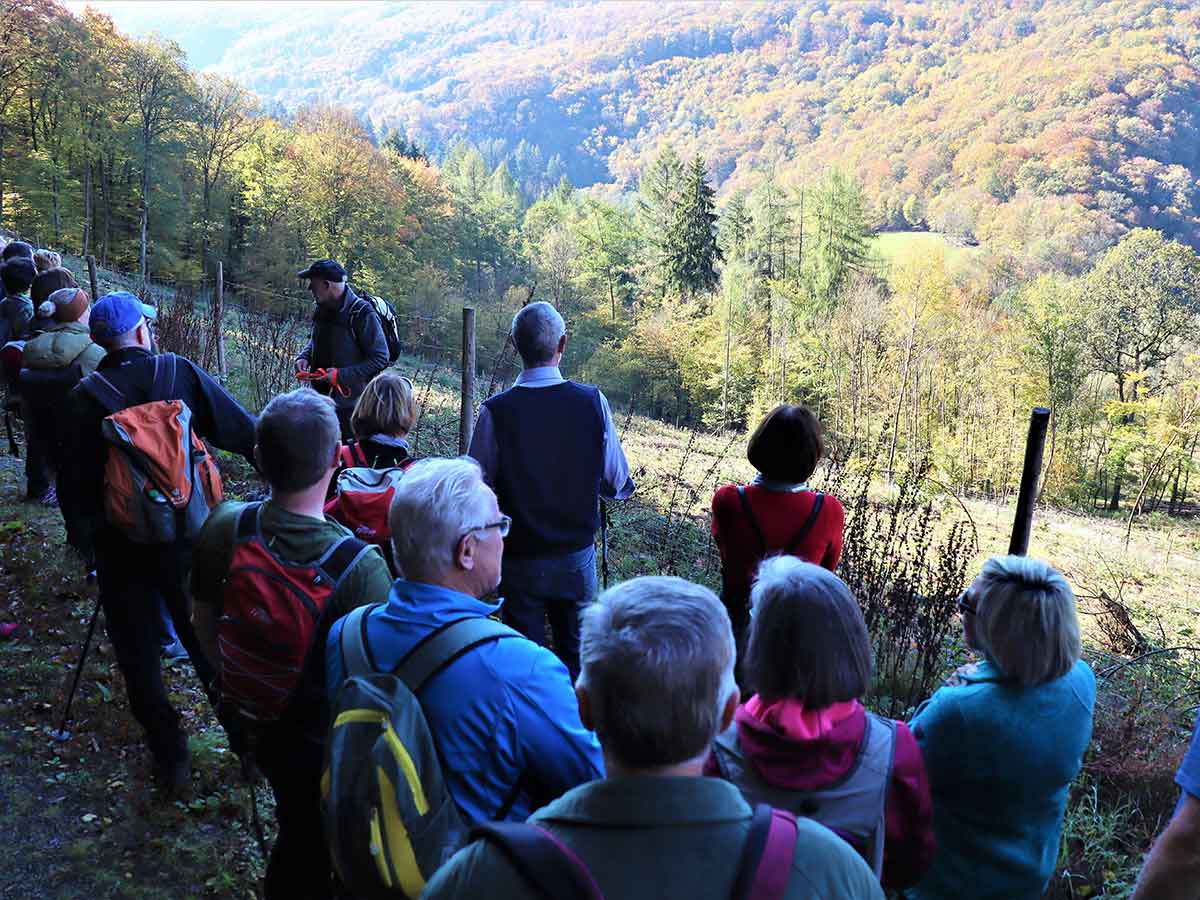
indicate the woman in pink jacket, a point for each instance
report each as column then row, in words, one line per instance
column 805, row 743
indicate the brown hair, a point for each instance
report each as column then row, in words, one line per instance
column 48, row 282
column 788, row 444
column 385, row 407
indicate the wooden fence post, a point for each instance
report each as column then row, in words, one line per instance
column 219, row 320
column 466, row 419
column 91, row 264
column 1032, row 470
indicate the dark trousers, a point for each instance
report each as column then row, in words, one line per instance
column 38, row 454
column 299, row 867
column 557, row 588
column 133, row 578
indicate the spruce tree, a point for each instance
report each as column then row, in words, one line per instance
column 692, row 238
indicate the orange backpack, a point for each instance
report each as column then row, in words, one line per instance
column 160, row 483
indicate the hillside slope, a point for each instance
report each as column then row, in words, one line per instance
column 977, row 118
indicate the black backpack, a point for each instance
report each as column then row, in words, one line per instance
column 387, row 320
column 389, row 818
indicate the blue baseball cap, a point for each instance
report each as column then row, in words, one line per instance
column 116, row 313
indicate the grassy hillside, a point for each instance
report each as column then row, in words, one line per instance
column 1069, row 116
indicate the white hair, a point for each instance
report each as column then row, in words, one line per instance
column 657, row 657
column 436, row 503
column 536, row 331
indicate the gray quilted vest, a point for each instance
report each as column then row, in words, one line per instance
column 853, row 806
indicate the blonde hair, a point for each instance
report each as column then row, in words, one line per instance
column 385, row 407
column 46, row 259
column 1025, row 619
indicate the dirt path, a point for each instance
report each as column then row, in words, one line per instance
column 82, row 819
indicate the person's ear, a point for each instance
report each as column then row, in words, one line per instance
column 731, row 705
column 562, row 344
column 585, row 707
column 258, row 458
column 464, row 552
column 337, row 455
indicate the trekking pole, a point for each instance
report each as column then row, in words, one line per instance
column 62, row 734
column 1032, row 469
column 604, row 542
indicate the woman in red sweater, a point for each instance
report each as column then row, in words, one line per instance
column 775, row 513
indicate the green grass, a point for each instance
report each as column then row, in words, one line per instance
column 893, row 247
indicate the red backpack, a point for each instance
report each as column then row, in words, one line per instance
column 271, row 617
column 362, row 500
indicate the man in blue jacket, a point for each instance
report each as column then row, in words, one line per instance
column 348, row 347
column 504, row 714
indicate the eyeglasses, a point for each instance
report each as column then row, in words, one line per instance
column 963, row 606
column 504, row 523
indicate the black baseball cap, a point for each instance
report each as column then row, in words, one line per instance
column 328, row 269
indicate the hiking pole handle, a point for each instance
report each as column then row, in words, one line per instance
column 62, row 733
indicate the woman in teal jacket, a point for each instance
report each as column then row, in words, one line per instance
column 1005, row 738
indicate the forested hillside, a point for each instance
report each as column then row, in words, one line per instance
column 1042, row 128
column 687, row 305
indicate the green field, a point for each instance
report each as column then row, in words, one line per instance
column 891, row 247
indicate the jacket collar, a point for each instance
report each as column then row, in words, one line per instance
column 417, row 601
column 123, row 357
column 649, row 801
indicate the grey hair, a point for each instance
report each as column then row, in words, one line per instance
column 657, row 657
column 1025, row 619
column 297, row 434
column 436, row 503
column 536, row 331
column 808, row 639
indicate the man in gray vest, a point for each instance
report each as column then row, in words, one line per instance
column 549, row 449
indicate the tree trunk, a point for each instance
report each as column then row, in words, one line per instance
column 87, row 208
column 142, row 270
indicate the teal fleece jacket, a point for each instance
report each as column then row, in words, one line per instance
column 1001, row 760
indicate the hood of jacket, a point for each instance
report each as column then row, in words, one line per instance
column 799, row 749
column 63, row 345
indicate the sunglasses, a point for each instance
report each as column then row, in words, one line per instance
column 964, row 607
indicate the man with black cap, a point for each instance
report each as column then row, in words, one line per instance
column 348, row 347
column 133, row 577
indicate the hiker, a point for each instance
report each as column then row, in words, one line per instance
column 134, row 575
column 46, row 283
column 381, row 420
column 1004, row 739
column 550, row 450
column 776, row 512
column 654, row 827
column 805, row 743
column 348, row 347
column 1172, row 870
column 54, row 362
column 252, row 561
column 17, row 275
column 12, row 250
column 45, row 260
column 503, row 715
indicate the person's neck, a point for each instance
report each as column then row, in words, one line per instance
column 308, row 502
column 456, row 580
column 692, row 768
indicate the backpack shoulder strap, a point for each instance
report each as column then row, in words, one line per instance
column 356, row 655
column 750, row 517
column 342, row 557
column 447, row 644
column 766, row 864
column 546, row 863
column 247, row 523
column 813, row 515
column 164, row 377
column 103, row 392
column 357, row 455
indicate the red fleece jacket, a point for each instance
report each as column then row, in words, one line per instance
column 780, row 515
column 787, row 760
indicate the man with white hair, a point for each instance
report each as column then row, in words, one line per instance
column 348, row 347
column 503, row 715
column 657, row 685
column 550, row 450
